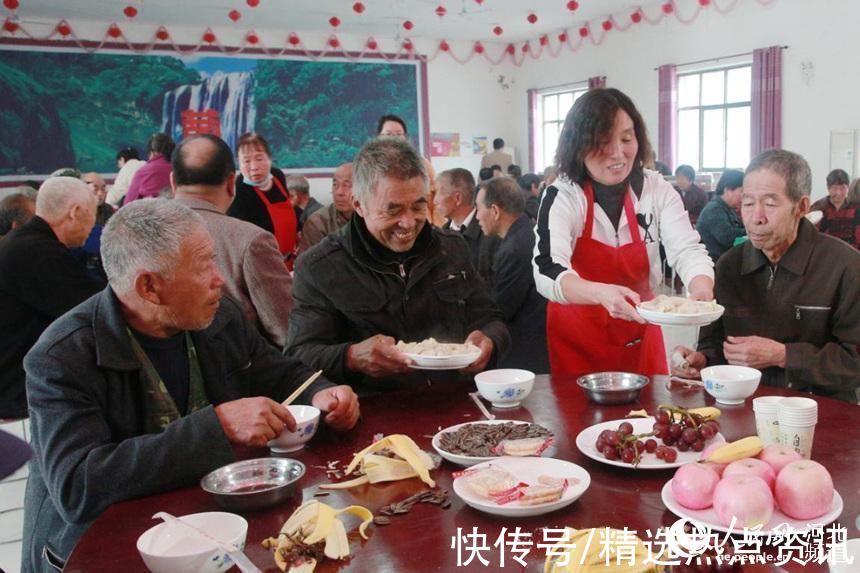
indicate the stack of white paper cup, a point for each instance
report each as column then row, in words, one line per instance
column 766, row 423
column 797, row 418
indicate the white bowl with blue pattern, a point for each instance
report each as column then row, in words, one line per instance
column 505, row 387
column 307, row 420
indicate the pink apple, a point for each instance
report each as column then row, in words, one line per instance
column 744, row 497
column 778, row 456
column 752, row 466
column 804, row 490
column 693, row 485
column 708, row 451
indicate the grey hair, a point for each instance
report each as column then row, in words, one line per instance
column 298, row 184
column 145, row 235
column 788, row 165
column 504, row 192
column 385, row 157
column 58, row 195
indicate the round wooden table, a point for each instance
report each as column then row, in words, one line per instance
column 422, row 540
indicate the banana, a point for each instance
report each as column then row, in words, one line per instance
column 599, row 549
column 707, row 413
column 748, row 447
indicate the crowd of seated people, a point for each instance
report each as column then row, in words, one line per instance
column 230, row 284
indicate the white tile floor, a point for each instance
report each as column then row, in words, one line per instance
column 12, row 507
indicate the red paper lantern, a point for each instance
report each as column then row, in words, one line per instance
column 372, row 44
column 607, row 25
column 162, row 34
column 11, row 4
column 479, row 47
column 408, row 25
column 498, row 31
column 293, row 39
column 10, row 26
column 252, row 38
column 209, row 37
column 130, row 11
column 636, row 17
column 234, row 15
column 114, row 31
column 510, row 49
column 562, row 37
column 358, row 8
column 252, row 3
column 408, row 46
column 532, row 18
column 572, row 5
column 444, row 46
column 64, row 29
column 334, row 42
column 668, row 8
column 583, row 32
column 544, row 40
column 334, row 21
column 440, row 10
column 705, row 3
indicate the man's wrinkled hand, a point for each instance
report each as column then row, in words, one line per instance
column 754, row 351
column 253, row 421
column 377, row 357
column 341, row 403
column 483, row 342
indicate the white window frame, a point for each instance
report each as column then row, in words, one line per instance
column 541, row 159
column 702, row 168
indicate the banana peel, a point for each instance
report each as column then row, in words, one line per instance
column 748, row 447
column 413, row 462
column 317, row 522
column 599, row 549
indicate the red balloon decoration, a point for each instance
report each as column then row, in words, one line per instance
column 444, row 45
column 162, row 33
column 372, row 44
column 440, row 10
column 209, row 37
column 252, row 38
column 479, row 47
column 607, row 25
column 544, row 40
column 358, row 8
column 64, row 29
column 234, row 15
column 583, row 32
column 408, row 46
column 562, row 37
column 705, row 3
column 334, row 21
column 114, row 31
column 130, row 11
column 510, row 49
column 498, row 31
column 294, row 40
column 532, row 18
column 668, row 8
column 334, row 42
column 525, row 48
column 11, row 4
column 636, row 17
column 252, row 3
column 572, row 5
column 10, row 26
column 408, row 25
column 479, row 2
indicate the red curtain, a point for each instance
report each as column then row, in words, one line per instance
column 766, row 112
column 667, row 115
column 596, row 82
column 532, row 103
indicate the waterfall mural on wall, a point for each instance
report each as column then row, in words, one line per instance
column 71, row 108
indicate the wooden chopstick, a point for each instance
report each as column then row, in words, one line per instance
column 291, row 398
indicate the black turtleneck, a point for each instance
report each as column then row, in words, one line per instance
column 611, row 197
column 385, row 255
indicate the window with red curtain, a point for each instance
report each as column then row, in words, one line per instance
column 766, row 114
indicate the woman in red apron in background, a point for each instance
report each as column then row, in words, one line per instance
column 261, row 194
column 599, row 230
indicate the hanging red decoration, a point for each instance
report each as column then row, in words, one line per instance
column 479, row 2
column 562, row 37
column 252, row 3
column 510, row 49
column 209, row 37
column 583, row 32
column 636, row 17
column 444, row 46
column 705, row 3
column 252, row 38
column 10, row 26
column 372, row 44
column 114, row 31
column 408, row 46
column 358, row 8
column 130, row 11
column 408, row 25
column 294, row 40
column 525, row 48
column 64, row 29
column 479, row 47
column 572, row 5
column 668, row 8
column 162, row 33
column 532, row 18
column 498, row 31
column 11, row 4
column 607, row 25
column 334, row 42
column 234, row 15
column 544, row 40
column 334, row 21
column 440, row 10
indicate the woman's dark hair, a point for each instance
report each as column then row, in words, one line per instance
column 161, row 143
column 730, row 179
column 251, row 139
column 390, row 117
column 590, row 120
column 127, row 153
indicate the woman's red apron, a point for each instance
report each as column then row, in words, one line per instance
column 283, row 218
column 583, row 338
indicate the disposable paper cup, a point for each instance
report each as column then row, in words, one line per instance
column 797, row 418
column 766, row 422
column 798, row 438
column 845, row 561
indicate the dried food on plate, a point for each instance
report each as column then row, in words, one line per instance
column 680, row 305
column 432, row 347
column 487, row 440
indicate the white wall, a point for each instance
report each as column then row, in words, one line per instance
column 820, row 33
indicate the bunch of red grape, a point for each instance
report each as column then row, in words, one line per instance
column 675, row 427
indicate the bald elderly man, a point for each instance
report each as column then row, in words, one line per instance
column 40, row 278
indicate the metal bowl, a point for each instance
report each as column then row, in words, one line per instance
column 612, row 387
column 254, row 484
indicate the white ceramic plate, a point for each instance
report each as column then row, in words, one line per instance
column 467, row 461
column 588, row 437
column 452, row 362
column 528, row 470
column 672, row 319
column 708, row 517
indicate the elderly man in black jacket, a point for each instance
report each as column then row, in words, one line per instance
column 150, row 384
column 388, row 275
